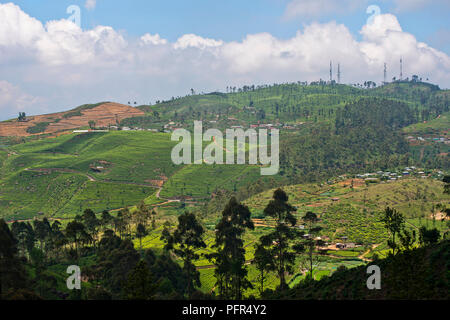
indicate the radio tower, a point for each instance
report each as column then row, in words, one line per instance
column 384, row 73
column 401, row 68
column 331, row 72
column 339, row 73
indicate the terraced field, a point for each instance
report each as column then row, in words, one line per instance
column 64, row 175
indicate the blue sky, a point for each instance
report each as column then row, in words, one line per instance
column 227, row 20
column 146, row 50
column 233, row 19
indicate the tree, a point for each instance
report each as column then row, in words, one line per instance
column 231, row 273
column 75, row 232
column 91, row 223
column 106, row 219
column 21, row 116
column 141, row 232
column 407, row 239
column 143, row 214
column 91, row 124
column 283, row 251
column 42, row 230
column 428, row 236
column 446, row 180
column 12, row 272
column 187, row 238
column 394, row 222
column 311, row 242
column 264, row 264
column 117, row 258
column 140, row 284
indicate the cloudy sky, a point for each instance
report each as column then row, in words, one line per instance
column 58, row 54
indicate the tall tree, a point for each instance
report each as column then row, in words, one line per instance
column 141, row 232
column 106, row 219
column 394, row 222
column 75, row 232
column 185, row 240
column 12, row 272
column 231, row 273
column 140, row 284
column 311, row 241
column 263, row 262
column 91, row 223
column 282, row 238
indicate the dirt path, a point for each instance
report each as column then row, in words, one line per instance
column 362, row 256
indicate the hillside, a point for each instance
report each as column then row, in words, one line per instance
column 325, row 132
column 103, row 114
column 416, row 275
column 62, row 176
column 352, row 208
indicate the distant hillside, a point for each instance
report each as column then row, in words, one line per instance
column 293, row 103
column 422, row 273
column 103, row 114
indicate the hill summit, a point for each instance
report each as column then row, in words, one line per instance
column 103, row 114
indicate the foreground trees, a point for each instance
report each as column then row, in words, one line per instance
column 230, row 272
column 12, row 272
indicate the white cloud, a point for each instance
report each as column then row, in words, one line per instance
column 90, row 4
column 152, row 39
column 69, row 66
column 59, row 42
column 192, row 40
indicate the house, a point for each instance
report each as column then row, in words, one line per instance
column 350, row 245
column 340, row 245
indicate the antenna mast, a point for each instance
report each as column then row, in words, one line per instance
column 339, row 73
column 331, row 72
column 384, row 73
column 401, row 69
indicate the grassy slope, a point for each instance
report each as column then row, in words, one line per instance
column 420, row 274
column 356, row 214
column 54, row 175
